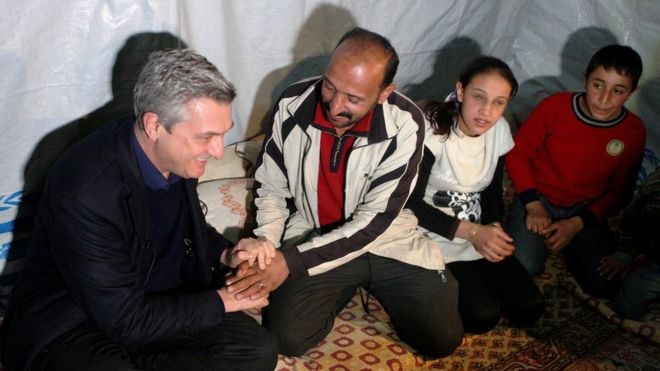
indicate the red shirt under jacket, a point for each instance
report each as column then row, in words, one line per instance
column 335, row 151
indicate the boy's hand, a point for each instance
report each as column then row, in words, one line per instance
column 560, row 233
column 537, row 217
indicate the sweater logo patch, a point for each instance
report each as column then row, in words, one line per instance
column 615, row 147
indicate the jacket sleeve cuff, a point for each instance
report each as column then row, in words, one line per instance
column 452, row 230
column 295, row 263
column 217, row 244
column 219, row 299
column 528, row 196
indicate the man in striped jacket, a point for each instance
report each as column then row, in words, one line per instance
column 334, row 175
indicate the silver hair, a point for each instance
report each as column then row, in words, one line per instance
column 173, row 77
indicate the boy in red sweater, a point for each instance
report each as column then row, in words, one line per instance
column 574, row 157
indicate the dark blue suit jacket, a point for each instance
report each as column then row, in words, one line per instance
column 89, row 257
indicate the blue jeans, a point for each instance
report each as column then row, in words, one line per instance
column 530, row 247
column 583, row 254
column 639, row 289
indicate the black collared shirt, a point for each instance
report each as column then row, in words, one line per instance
column 169, row 224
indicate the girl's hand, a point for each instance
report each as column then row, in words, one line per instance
column 492, row 242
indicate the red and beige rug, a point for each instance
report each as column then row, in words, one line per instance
column 577, row 332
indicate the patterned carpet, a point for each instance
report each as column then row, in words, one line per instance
column 570, row 336
column 573, row 334
column 584, row 340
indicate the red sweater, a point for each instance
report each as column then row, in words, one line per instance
column 570, row 158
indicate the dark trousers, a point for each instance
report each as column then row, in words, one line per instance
column 583, row 258
column 421, row 303
column 489, row 291
column 237, row 343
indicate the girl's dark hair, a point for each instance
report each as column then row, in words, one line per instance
column 441, row 114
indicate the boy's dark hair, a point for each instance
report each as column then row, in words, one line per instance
column 623, row 59
column 374, row 38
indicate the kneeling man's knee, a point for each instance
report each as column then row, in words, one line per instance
column 442, row 346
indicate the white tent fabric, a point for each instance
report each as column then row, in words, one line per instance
column 68, row 65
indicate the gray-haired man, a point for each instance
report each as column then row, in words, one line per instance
column 122, row 269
